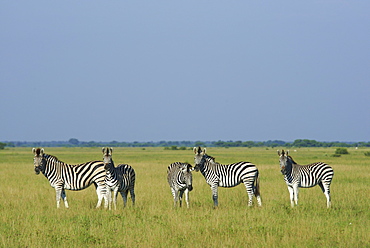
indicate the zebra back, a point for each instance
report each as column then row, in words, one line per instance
column 126, row 174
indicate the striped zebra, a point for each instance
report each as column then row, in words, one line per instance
column 305, row 176
column 180, row 179
column 230, row 175
column 119, row 179
column 64, row 176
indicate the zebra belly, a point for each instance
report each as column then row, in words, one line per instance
column 226, row 185
column 301, row 185
column 307, row 182
column 70, row 187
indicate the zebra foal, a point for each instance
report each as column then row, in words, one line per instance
column 229, row 175
column 64, row 176
column 180, row 179
column 305, row 176
column 118, row 179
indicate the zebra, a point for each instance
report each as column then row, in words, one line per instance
column 119, row 179
column 305, row 176
column 180, row 179
column 230, row 175
column 64, row 176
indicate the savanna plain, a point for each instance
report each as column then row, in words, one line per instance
column 29, row 217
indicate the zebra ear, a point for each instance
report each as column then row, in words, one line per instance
column 197, row 150
column 111, row 150
column 278, row 151
column 204, row 151
column 287, row 152
column 105, row 150
column 38, row 151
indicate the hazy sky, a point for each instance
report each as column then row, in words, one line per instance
column 184, row 70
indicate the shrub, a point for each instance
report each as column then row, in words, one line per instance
column 335, row 155
column 171, row 148
column 2, row 145
column 341, row 150
column 367, row 154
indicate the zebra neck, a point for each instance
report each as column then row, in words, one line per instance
column 110, row 172
column 52, row 165
column 207, row 168
column 288, row 169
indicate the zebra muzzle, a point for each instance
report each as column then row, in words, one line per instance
column 190, row 187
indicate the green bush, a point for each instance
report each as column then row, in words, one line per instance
column 2, row 145
column 341, row 150
column 171, row 148
column 367, row 154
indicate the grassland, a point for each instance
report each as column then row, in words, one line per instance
column 29, row 217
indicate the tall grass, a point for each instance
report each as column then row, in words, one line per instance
column 29, row 217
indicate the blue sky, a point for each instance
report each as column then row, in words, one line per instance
column 184, row 70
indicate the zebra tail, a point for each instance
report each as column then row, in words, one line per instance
column 257, row 185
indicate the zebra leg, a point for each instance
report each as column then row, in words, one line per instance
column 249, row 187
column 214, row 189
column 115, row 194
column 101, row 192
column 175, row 197
column 326, row 190
column 187, row 197
column 180, row 197
column 291, row 194
column 257, row 191
column 64, row 197
column 109, row 198
column 58, row 192
column 124, row 197
column 132, row 193
column 296, row 189
column 106, row 192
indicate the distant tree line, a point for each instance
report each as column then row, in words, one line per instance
column 270, row 143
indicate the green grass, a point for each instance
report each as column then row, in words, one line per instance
column 29, row 217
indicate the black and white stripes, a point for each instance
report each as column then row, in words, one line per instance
column 180, row 179
column 230, row 175
column 106, row 177
column 118, row 179
column 64, row 176
column 305, row 176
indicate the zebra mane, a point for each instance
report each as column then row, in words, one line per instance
column 52, row 157
column 210, row 158
column 291, row 159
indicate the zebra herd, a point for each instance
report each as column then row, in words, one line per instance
column 109, row 178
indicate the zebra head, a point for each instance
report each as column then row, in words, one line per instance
column 187, row 176
column 107, row 157
column 39, row 162
column 200, row 157
column 284, row 160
